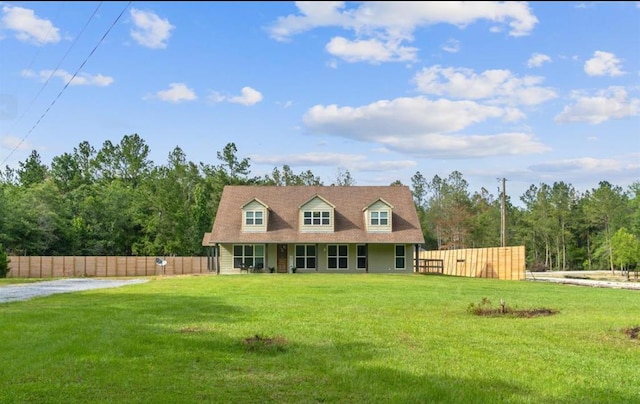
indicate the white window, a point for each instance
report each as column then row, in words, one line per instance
column 362, row 256
column 338, row 256
column 248, row 255
column 306, row 256
column 400, row 256
column 379, row 218
column 253, row 218
column 317, row 218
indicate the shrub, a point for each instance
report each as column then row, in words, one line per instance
column 4, row 263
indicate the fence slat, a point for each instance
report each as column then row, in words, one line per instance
column 100, row 266
column 495, row 262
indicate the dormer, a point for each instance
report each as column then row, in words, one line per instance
column 377, row 216
column 317, row 215
column 255, row 216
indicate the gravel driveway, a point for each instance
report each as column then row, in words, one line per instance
column 572, row 278
column 25, row 291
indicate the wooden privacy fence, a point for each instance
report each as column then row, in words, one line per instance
column 102, row 266
column 495, row 262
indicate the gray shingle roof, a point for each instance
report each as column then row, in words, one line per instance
column 284, row 202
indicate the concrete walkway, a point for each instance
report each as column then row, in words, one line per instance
column 25, row 291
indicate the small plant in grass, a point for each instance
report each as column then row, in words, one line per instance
column 259, row 343
column 484, row 308
column 4, row 263
column 633, row 332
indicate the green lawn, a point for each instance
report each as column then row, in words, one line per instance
column 332, row 338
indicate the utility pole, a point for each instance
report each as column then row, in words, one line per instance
column 503, row 224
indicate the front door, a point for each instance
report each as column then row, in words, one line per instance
column 282, row 259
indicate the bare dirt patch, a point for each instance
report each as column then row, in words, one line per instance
column 259, row 343
column 633, row 332
column 485, row 308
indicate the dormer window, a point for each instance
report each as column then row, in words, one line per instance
column 316, row 215
column 253, row 218
column 317, row 218
column 379, row 218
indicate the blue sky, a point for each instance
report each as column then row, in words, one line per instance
column 532, row 92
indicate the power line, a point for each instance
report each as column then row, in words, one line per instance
column 54, row 71
column 68, row 82
column 33, row 60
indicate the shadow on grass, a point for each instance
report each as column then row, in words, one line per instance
column 171, row 347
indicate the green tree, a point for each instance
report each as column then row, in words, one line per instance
column 605, row 208
column 562, row 199
column 344, row 178
column 419, row 189
column 65, row 172
column 32, row 170
column 85, row 157
column 127, row 161
column 634, row 208
column 36, row 223
column 236, row 171
column 4, row 263
column 540, row 226
column 132, row 159
column 486, row 220
column 105, row 162
column 286, row 177
column 174, row 213
column 8, row 176
column 449, row 209
column 626, row 249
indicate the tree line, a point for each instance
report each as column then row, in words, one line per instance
column 116, row 201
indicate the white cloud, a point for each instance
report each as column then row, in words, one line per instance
column 308, row 159
column 28, row 27
column 580, row 165
column 14, row 143
column 150, row 30
column 370, row 50
column 215, row 96
column 382, row 27
column 81, row 79
column 248, row 96
column 537, row 59
column 499, row 86
column 354, row 162
column 408, row 116
column 583, row 170
column 419, row 126
column 612, row 103
column 403, row 17
column 451, row 46
column 285, row 105
column 603, row 64
column 177, row 92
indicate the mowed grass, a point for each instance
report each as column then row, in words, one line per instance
column 314, row 338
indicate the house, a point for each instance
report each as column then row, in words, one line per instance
column 315, row 229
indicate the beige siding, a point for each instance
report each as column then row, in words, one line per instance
column 378, row 206
column 380, row 259
column 226, row 259
column 255, row 206
column 316, row 204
